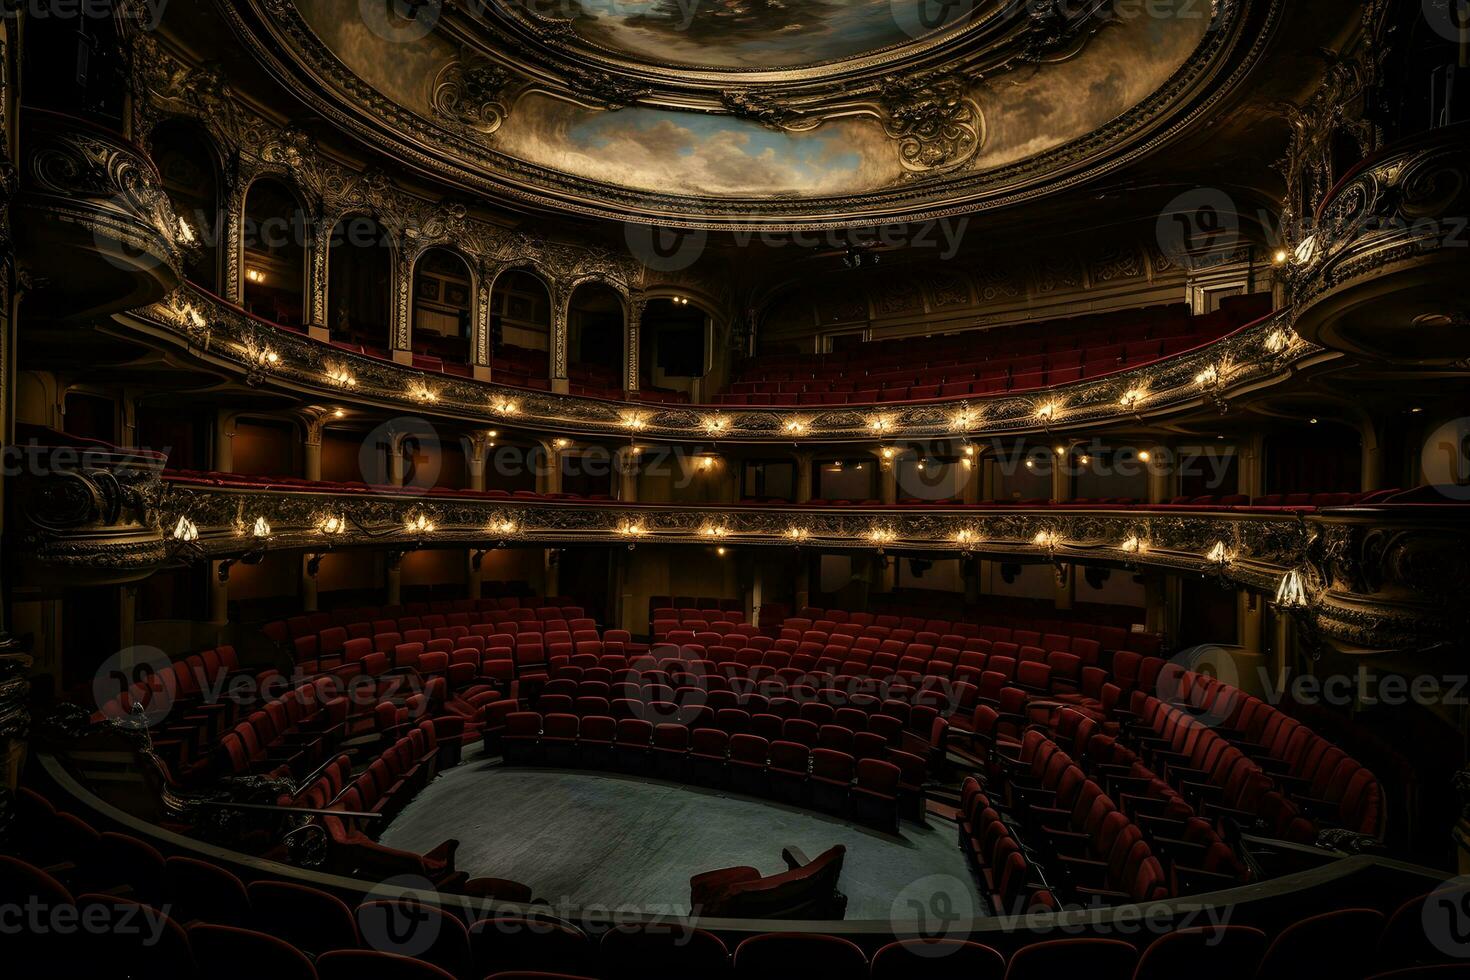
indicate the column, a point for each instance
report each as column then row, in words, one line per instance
column 803, row 594
column 632, row 337
column 127, row 617
column 971, row 475
column 548, row 475
column 308, row 583
column 1251, row 453
column 804, row 480
column 474, row 574
column 401, row 328
column 1066, row 584
column 224, row 434
column 888, row 475
column 1248, row 621
column 482, row 341
column 393, row 573
column 219, row 596
column 315, row 286
column 1372, row 477
column 1061, row 474
column 397, row 466
column 477, row 458
column 561, row 301
column 626, row 460
column 1161, row 473
column 234, row 243
column 312, row 447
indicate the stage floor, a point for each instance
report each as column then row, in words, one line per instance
column 605, row 840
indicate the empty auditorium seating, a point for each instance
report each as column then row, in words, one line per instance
column 807, row 890
column 984, row 362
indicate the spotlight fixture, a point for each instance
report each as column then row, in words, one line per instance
column 879, row 424
column 419, row 524
column 721, row 551
column 261, row 528
column 887, row 452
column 338, row 413
column 795, row 427
column 1048, row 412
column 628, row 529
column 1280, row 257
column 423, row 394
column 636, row 422
column 964, row 419
column 1045, row 539
column 332, row 525
column 715, row 531
column 561, row 443
column 1144, row 455
column 965, row 537
column 716, row 425
column 1134, row 545
column 706, row 463
column 186, row 530
column 255, row 275
column 797, row 534
column 1132, row 399
column 505, row 406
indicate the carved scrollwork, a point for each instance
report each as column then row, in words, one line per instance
column 937, row 125
column 471, row 91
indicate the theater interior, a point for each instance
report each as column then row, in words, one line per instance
column 941, row 489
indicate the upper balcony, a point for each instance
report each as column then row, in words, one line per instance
column 93, row 220
column 1382, row 274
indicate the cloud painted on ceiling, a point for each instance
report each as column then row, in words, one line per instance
column 697, row 154
column 758, row 34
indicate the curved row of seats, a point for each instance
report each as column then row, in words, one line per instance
column 219, row 927
column 990, row 362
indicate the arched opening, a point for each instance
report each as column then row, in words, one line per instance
column 187, row 162
column 520, row 329
column 360, row 285
column 673, row 348
column 275, row 234
column 595, row 340
column 443, row 308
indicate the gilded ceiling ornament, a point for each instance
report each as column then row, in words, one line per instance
column 937, row 125
column 471, row 92
column 602, row 89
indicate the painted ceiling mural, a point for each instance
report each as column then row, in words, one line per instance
column 758, row 34
column 718, row 134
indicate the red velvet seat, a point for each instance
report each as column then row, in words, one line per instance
column 411, row 928
column 1096, row 959
column 500, row 945
column 937, row 959
column 796, row 955
column 243, row 954
column 636, row 952
column 309, row 919
column 360, row 964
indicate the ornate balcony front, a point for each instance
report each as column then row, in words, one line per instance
column 93, row 219
column 1382, row 274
